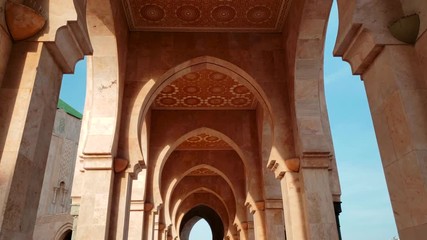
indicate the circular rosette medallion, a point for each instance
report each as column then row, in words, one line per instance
column 191, row 89
column 216, row 101
column 188, row 13
column 223, row 14
column 167, row 101
column 216, row 90
column 169, row 89
column 192, row 101
column 195, row 139
column 152, row 13
column 239, row 101
column 194, row 76
column 240, row 90
column 216, row 76
column 211, row 139
column 258, row 14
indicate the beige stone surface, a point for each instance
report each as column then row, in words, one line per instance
column 218, row 157
column 55, row 198
column 43, row 83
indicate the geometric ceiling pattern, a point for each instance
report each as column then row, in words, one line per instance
column 202, row 172
column 205, row 90
column 204, row 141
column 206, row 15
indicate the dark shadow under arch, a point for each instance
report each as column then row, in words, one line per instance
column 67, row 235
column 194, row 215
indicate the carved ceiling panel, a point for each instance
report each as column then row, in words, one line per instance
column 206, row 15
column 204, row 141
column 205, row 89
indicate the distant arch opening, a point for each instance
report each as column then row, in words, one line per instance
column 197, row 214
column 201, row 230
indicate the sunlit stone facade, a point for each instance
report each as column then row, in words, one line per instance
column 210, row 109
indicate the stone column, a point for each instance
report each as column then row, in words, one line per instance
column 257, row 211
column 28, row 99
column 136, row 220
column 397, row 95
column 156, row 227
column 317, row 196
column 149, row 220
column 119, row 225
column 95, row 203
column 161, row 231
column 274, row 224
column 307, row 198
column 293, row 209
column 247, row 231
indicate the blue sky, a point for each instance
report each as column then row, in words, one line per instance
column 366, row 206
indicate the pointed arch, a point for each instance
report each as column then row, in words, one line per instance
column 167, row 150
column 152, row 88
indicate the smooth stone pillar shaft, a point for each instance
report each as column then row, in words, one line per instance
column 318, row 204
column 396, row 86
column 293, row 206
column 28, row 99
column 94, row 212
column 120, row 219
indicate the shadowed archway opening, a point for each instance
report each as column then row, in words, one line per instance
column 195, row 215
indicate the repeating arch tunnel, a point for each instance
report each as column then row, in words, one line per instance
column 209, row 147
column 203, row 161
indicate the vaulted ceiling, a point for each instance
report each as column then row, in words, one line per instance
column 206, row 15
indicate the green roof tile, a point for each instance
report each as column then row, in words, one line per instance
column 68, row 109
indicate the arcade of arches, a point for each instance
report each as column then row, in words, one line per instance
column 210, row 109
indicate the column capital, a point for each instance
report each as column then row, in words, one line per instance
column 148, row 207
column 255, row 206
column 120, row 164
column 280, row 167
column 159, row 226
column 247, row 225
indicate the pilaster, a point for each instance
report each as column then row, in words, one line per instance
column 95, row 203
column 136, row 219
column 317, row 197
column 293, row 209
column 247, row 231
column 274, row 220
column 119, row 225
column 257, row 211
